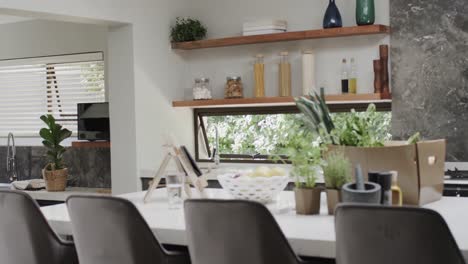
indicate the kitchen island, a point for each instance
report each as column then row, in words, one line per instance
column 312, row 236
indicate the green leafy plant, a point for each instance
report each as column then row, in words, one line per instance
column 336, row 170
column 362, row 129
column 52, row 136
column 304, row 153
column 187, row 29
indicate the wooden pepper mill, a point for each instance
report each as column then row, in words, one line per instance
column 377, row 76
column 383, row 50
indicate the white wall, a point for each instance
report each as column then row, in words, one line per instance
column 225, row 18
column 156, row 72
column 37, row 38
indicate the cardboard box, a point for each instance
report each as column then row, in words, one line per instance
column 421, row 167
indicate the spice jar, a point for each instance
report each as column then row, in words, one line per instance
column 202, row 89
column 234, row 88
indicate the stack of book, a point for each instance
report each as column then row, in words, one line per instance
column 261, row 27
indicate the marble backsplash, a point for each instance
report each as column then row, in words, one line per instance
column 429, row 53
column 88, row 167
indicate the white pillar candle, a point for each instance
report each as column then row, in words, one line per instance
column 308, row 73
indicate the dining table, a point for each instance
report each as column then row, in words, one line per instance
column 309, row 235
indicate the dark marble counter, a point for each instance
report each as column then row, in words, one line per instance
column 88, row 167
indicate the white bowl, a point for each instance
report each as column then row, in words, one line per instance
column 260, row 189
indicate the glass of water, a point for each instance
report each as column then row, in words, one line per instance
column 174, row 185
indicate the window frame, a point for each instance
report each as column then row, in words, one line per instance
column 52, row 88
column 199, row 113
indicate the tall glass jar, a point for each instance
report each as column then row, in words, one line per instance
column 202, row 89
column 284, row 75
column 234, row 88
column 365, row 12
column 259, row 76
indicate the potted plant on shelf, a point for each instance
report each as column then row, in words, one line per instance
column 187, row 29
column 336, row 172
column 55, row 173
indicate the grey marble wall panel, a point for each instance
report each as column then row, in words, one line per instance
column 88, row 167
column 429, row 53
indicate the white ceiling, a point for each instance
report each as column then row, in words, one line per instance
column 7, row 19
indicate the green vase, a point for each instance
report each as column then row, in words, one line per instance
column 365, row 12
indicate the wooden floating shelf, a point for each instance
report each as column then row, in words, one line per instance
column 286, row 36
column 278, row 101
column 91, row 144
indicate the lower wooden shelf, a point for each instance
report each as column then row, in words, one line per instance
column 278, row 101
column 91, row 144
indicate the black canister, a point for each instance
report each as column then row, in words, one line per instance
column 385, row 181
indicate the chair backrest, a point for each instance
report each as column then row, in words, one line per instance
column 110, row 230
column 25, row 235
column 387, row 235
column 233, row 232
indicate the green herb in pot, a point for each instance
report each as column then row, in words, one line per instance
column 187, row 29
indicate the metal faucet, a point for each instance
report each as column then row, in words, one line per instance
column 11, row 158
column 215, row 154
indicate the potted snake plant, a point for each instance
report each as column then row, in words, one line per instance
column 55, row 173
column 336, row 172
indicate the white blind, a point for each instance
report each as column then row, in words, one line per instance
column 53, row 85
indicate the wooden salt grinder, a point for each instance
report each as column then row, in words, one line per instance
column 377, row 76
column 383, row 50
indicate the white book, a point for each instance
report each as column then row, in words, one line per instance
column 262, row 32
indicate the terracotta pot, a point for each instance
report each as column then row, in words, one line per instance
column 307, row 200
column 55, row 180
column 333, row 198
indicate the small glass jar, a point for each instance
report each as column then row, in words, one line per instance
column 202, row 89
column 234, row 88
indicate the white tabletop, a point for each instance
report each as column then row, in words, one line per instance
column 308, row 235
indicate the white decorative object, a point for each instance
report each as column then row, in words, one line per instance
column 260, row 189
column 308, row 73
column 260, row 27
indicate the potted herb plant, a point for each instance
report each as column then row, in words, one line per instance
column 55, row 173
column 336, row 172
column 306, row 160
column 187, row 29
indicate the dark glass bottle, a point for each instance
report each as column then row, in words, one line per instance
column 332, row 16
column 365, row 12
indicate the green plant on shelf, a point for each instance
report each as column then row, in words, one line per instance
column 187, row 29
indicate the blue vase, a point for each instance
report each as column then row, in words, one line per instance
column 332, row 17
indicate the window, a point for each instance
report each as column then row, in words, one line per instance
column 254, row 134
column 53, row 85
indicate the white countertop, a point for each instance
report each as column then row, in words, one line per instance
column 308, row 235
column 62, row 196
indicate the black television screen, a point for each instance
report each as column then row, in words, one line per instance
column 93, row 121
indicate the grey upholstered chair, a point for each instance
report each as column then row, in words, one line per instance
column 233, row 232
column 389, row 235
column 110, row 230
column 25, row 235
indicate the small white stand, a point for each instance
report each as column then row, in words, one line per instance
column 183, row 165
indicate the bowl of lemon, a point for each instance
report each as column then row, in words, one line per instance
column 262, row 184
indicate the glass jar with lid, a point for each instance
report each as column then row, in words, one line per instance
column 234, row 88
column 202, row 89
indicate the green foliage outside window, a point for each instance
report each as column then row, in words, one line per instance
column 282, row 134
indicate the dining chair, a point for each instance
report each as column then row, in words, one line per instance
column 110, row 230
column 368, row 234
column 25, row 235
column 233, row 232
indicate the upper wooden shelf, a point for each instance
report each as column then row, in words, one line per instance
column 279, row 101
column 286, row 36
